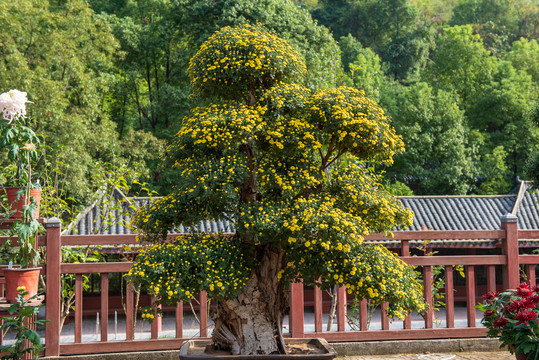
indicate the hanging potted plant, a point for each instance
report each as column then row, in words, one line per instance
column 18, row 142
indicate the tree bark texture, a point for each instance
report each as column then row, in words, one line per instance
column 251, row 324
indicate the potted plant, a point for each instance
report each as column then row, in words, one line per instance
column 511, row 316
column 291, row 170
column 19, row 142
column 22, row 320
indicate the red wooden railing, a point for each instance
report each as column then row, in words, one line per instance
column 508, row 259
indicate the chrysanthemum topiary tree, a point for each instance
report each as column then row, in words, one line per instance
column 292, row 171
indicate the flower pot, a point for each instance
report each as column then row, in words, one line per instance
column 29, row 278
column 302, row 349
column 519, row 356
column 18, row 205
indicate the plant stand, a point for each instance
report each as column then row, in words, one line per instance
column 300, row 349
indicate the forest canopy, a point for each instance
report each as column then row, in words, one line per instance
column 109, row 79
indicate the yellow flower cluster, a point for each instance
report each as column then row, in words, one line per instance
column 355, row 123
column 367, row 271
column 235, row 58
column 360, row 193
column 221, row 127
column 180, row 270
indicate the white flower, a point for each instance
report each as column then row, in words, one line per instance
column 12, row 104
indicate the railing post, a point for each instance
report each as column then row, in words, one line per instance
column 511, row 275
column 53, row 290
column 296, row 310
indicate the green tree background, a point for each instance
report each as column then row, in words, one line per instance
column 104, row 75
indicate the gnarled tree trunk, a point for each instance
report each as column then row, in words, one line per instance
column 252, row 322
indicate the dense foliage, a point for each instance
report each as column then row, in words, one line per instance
column 121, row 68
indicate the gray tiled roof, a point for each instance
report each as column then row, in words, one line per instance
column 458, row 212
column 528, row 211
column 430, row 212
column 89, row 221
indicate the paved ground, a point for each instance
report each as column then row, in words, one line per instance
column 497, row 355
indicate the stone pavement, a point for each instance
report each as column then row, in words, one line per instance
column 495, row 355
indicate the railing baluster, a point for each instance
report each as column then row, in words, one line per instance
column 470, row 295
column 156, row 323
column 297, row 305
column 405, row 251
column 104, row 306
column 407, row 323
column 427, row 284
column 129, row 312
column 405, row 248
column 531, row 274
column 491, row 278
column 203, row 314
column 78, row 308
column 179, row 319
column 385, row 319
column 449, row 297
column 363, row 315
column 317, row 309
column 341, row 308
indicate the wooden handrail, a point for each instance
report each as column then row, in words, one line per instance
column 456, row 260
column 439, row 235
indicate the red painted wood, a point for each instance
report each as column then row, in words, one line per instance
column 528, row 259
column 296, row 310
column 203, row 314
column 427, row 284
column 317, row 309
column 530, row 272
column 179, row 319
column 122, row 346
column 104, row 306
column 88, row 268
column 341, row 308
column 449, row 297
column 491, row 278
column 385, row 319
column 102, row 239
column 528, row 234
column 376, row 335
column 53, row 291
column 455, row 260
column 363, row 315
column 439, row 235
column 78, row 308
column 81, row 240
column 157, row 322
column 407, row 323
column 405, row 248
column 470, row 295
column 511, row 277
column 129, row 312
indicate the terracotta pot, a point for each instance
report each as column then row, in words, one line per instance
column 29, row 278
column 18, row 205
column 319, row 349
